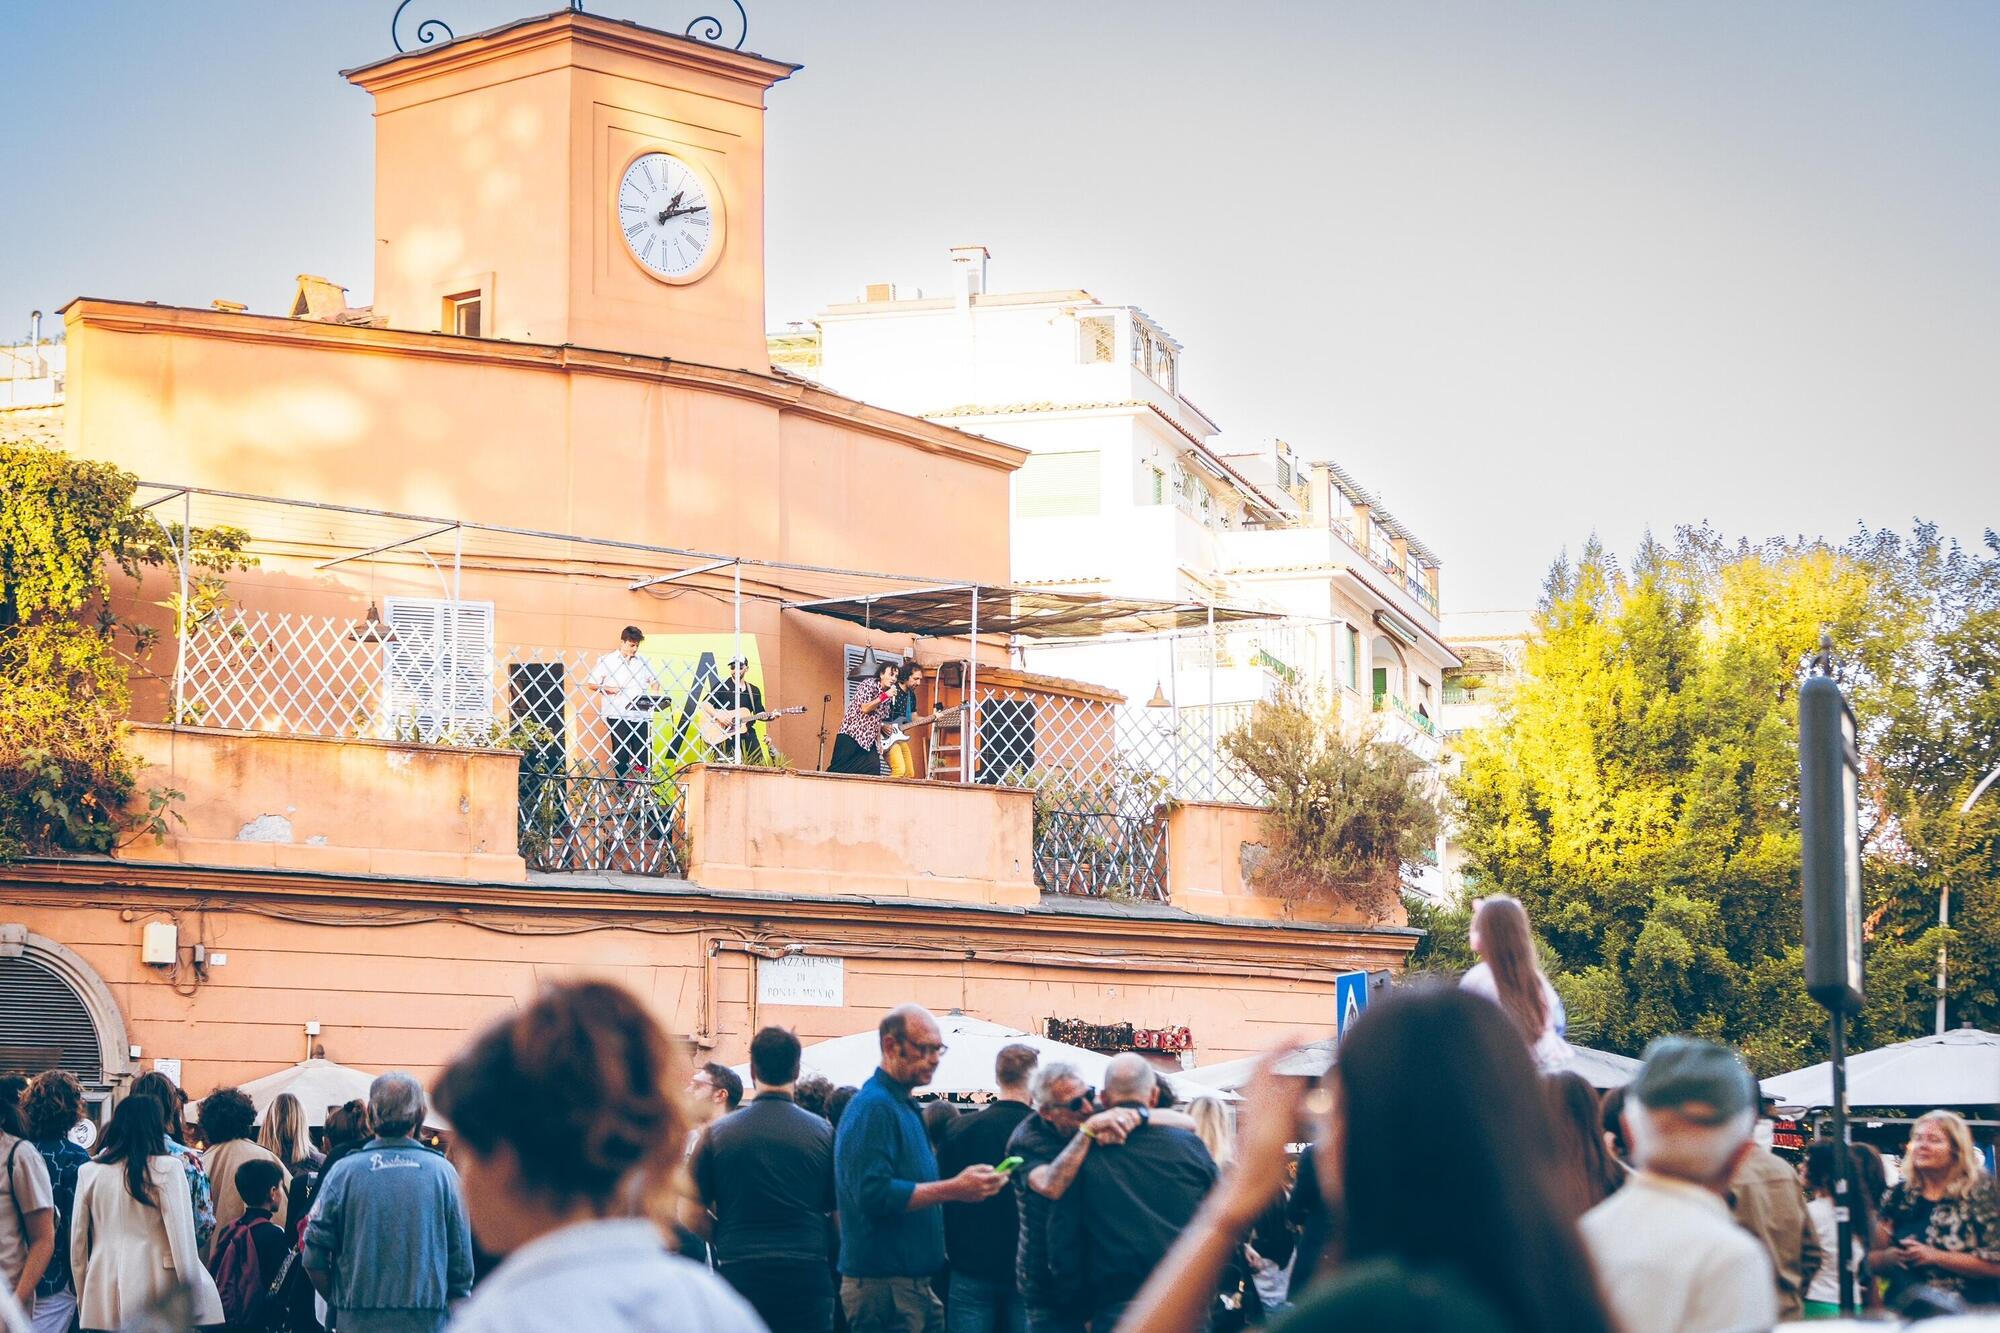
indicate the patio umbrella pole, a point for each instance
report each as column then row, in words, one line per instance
column 1843, row 1214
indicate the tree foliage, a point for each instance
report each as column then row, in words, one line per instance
column 1639, row 790
column 65, row 779
column 1347, row 809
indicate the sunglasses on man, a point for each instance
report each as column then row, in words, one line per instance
column 1082, row 1102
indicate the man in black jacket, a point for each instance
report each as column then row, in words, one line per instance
column 765, row 1177
column 980, row 1238
column 1113, row 1226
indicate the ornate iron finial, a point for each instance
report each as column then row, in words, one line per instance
column 434, row 31
column 429, row 31
column 708, row 28
column 1825, row 655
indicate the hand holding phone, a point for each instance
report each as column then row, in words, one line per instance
column 1007, row 1165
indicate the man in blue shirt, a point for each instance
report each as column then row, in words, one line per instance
column 388, row 1243
column 885, row 1180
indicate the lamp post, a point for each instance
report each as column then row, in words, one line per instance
column 1944, row 897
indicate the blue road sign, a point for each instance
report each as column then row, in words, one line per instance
column 1351, row 997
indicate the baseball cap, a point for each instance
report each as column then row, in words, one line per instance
column 739, row 661
column 1707, row 1083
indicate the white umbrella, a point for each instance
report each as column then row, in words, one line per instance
column 967, row 1066
column 1309, row 1061
column 1960, row 1068
column 1604, row 1070
column 318, row 1084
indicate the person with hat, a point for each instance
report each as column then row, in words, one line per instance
column 730, row 696
column 857, row 749
column 1668, row 1255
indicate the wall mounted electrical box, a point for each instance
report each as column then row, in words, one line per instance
column 160, row 943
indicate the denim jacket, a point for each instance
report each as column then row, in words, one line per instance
column 390, row 1227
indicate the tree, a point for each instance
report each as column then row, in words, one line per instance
column 1347, row 809
column 65, row 779
column 1639, row 789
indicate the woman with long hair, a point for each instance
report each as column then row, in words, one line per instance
column 1940, row 1224
column 1509, row 975
column 1588, row 1173
column 284, row 1134
column 565, row 1122
column 1822, row 1296
column 285, row 1137
column 201, row 1191
column 1439, row 1154
column 132, row 1240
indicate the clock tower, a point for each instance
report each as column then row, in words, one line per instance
column 574, row 179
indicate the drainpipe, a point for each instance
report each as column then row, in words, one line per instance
column 35, row 344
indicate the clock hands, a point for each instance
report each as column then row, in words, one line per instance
column 672, row 212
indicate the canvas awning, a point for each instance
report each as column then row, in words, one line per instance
column 954, row 610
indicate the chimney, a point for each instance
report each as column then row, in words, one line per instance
column 968, row 273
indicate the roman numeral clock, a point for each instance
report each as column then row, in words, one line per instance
column 670, row 214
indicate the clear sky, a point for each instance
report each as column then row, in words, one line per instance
column 1529, row 270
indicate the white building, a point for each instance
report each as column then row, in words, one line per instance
column 1128, row 490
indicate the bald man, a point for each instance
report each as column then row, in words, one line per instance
column 1113, row 1226
column 886, row 1182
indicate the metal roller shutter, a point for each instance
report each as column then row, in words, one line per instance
column 44, row 1024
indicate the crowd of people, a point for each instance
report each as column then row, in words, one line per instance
column 1453, row 1175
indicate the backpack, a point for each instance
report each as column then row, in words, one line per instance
column 239, row 1275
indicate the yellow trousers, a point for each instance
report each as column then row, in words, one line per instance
column 901, row 765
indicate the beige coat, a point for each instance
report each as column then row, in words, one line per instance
column 126, row 1255
column 221, row 1160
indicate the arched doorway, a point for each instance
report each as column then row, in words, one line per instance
column 57, row 1013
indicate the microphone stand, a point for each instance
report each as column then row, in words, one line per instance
column 824, row 700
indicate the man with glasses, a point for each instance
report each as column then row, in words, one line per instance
column 886, row 1182
column 1052, row 1145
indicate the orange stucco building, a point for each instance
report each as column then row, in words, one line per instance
column 566, row 337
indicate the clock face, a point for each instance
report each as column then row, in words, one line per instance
column 669, row 217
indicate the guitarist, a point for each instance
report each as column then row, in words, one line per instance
column 738, row 693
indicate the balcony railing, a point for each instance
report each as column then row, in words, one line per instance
column 596, row 793
column 1389, row 703
column 1386, row 562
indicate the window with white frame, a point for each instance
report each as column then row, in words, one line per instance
column 437, row 670
column 463, row 314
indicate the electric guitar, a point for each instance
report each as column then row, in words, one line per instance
column 718, row 726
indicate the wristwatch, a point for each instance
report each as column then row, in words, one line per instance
column 1145, row 1115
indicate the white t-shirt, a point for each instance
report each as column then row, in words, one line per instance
column 633, row 677
column 27, row 1187
column 1551, row 1052
column 1825, row 1284
column 1670, row 1259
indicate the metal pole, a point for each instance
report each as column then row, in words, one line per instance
column 181, row 621
column 736, row 651
column 1944, row 898
column 971, row 747
column 1211, row 700
column 1842, row 1205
